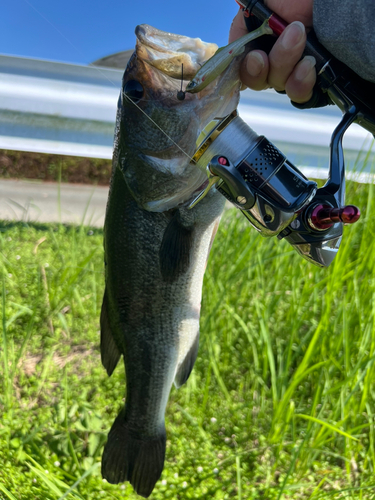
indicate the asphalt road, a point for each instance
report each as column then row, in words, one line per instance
column 33, row 201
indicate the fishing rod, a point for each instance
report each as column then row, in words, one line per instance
column 257, row 178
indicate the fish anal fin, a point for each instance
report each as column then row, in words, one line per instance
column 135, row 459
column 175, row 249
column 185, row 368
column 109, row 351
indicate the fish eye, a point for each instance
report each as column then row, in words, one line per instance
column 133, row 90
column 192, row 84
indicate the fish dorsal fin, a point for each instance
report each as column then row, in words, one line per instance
column 175, row 249
column 219, row 50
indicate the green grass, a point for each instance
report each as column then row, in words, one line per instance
column 280, row 404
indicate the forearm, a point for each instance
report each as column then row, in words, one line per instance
column 344, row 27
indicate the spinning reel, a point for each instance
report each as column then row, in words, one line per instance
column 276, row 198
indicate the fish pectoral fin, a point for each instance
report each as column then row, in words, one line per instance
column 175, row 249
column 185, row 368
column 108, row 348
column 135, row 459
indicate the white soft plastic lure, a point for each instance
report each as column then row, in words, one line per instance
column 223, row 57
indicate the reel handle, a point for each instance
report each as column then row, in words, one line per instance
column 323, row 216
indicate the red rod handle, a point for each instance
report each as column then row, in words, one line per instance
column 277, row 24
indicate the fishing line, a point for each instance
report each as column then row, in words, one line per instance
column 103, row 74
column 67, row 40
column 55, row 27
column 158, row 126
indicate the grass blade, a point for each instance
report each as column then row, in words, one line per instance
column 84, row 475
column 7, row 493
column 325, row 424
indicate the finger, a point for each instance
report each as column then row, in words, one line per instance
column 285, row 54
column 254, row 70
column 299, row 85
column 301, row 10
column 238, row 27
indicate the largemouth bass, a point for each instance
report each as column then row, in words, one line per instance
column 156, row 249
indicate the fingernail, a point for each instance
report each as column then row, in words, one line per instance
column 292, row 35
column 254, row 64
column 304, row 68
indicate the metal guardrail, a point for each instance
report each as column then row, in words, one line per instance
column 69, row 109
column 59, row 108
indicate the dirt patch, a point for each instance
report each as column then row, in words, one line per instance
column 29, row 364
column 48, row 167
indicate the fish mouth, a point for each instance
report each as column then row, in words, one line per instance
column 168, row 52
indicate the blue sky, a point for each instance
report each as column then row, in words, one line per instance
column 80, row 31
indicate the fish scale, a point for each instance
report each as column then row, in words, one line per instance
column 156, row 249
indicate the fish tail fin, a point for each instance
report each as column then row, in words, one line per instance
column 129, row 458
column 109, row 351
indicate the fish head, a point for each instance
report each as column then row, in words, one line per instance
column 156, row 132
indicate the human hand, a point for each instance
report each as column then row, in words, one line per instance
column 282, row 68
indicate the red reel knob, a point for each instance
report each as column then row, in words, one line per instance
column 223, row 161
column 323, row 216
column 350, row 214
